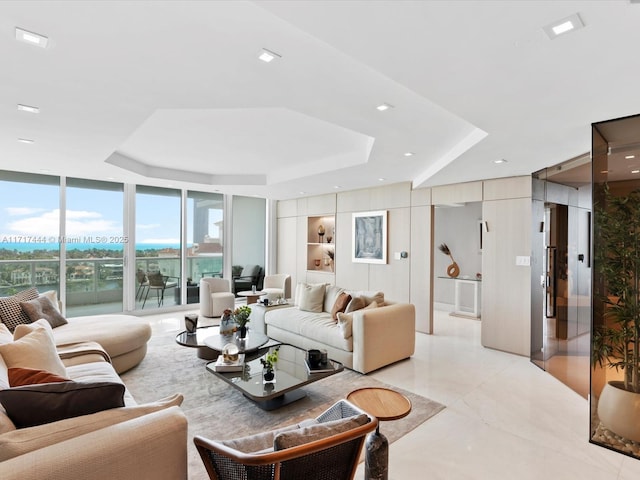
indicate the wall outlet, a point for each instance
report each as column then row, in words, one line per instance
column 523, row 261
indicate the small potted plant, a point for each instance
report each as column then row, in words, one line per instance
column 268, row 365
column 241, row 318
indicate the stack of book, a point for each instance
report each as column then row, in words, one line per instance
column 319, row 368
column 222, row 366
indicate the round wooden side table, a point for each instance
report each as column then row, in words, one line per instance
column 386, row 405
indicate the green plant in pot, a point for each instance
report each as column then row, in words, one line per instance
column 616, row 343
column 268, row 365
column 241, row 318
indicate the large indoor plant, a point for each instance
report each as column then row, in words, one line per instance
column 616, row 341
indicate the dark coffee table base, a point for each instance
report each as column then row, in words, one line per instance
column 205, row 353
column 281, row 401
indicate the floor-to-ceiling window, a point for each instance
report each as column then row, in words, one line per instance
column 205, row 241
column 158, row 246
column 29, row 232
column 94, row 244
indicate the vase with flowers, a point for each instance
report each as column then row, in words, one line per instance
column 241, row 318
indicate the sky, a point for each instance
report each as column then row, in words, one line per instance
column 94, row 214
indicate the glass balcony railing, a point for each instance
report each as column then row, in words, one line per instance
column 95, row 285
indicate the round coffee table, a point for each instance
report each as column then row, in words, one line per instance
column 252, row 297
column 196, row 340
column 253, row 341
column 385, row 404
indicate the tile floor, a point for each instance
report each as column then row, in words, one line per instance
column 505, row 418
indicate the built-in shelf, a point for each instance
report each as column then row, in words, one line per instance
column 319, row 246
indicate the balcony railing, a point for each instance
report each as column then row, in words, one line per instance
column 96, row 285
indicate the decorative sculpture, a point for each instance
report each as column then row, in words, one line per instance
column 453, row 270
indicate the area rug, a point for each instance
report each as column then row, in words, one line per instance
column 215, row 410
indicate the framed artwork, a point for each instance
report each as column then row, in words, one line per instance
column 369, row 237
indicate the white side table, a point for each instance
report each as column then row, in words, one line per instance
column 458, row 310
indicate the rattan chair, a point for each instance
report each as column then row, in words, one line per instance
column 331, row 458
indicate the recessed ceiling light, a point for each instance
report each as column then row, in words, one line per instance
column 565, row 25
column 26, row 140
column 336, row 186
column 31, row 38
column 302, row 193
column 384, row 106
column 28, row 108
column 268, row 55
column 381, row 179
column 635, row 171
column 501, row 160
column 408, row 154
column 629, row 157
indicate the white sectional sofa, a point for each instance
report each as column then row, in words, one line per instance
column 365, row 339
column 49, row 429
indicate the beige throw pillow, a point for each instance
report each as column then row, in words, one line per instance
column 340, row 304
column 345, row 321
column 301, row 436
column 312, row 298
column 356, row 303
column 35, row 350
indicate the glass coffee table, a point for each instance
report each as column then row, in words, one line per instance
column 291, row 375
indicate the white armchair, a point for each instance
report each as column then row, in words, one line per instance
column 215, row 296
column 277, row 285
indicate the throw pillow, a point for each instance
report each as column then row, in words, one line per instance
column 330, row 296
column 42, row 307
column 34, row 350
column 19, row 376
column 53, row 296
column 27, row 328
column 356, row 303
column 11, row 313
column 345, row 321
column 301, row 436
column 32, row 405
column 312, row 298
column 5, row 334
column 340, row 304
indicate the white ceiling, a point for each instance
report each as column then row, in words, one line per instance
column 172, row 93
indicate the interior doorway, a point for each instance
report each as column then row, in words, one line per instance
column 457, row 291
column 561, row 272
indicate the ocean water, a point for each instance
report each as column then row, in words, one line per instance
column 30, row 245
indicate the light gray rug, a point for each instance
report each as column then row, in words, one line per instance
column 218, row 411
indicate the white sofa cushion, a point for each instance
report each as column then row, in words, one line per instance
column 317, row 326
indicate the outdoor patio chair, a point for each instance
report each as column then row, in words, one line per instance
column 334, row 456
column 159, row 283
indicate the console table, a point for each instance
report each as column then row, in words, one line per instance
column 457, row 308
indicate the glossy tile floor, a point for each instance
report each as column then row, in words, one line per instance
column 505, row 418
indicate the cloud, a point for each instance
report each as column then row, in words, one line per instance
column 79, row 223
column 21, row 211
